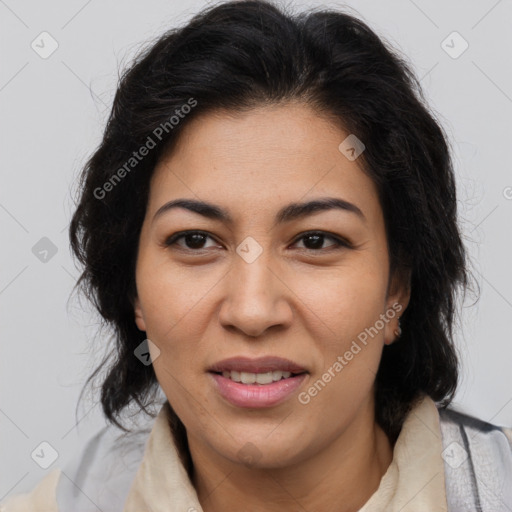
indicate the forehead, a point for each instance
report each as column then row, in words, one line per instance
column 263, row 157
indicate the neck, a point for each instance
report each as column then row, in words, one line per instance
column 340, row 478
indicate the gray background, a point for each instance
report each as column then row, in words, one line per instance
column 52, row 114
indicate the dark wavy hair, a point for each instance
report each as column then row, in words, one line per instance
column 240, row 55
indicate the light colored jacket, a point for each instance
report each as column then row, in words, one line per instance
column 442, row 461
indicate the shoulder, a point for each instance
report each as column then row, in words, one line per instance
column 42, row 497
column 97, row 478
column 478, row 462
column 475, row 435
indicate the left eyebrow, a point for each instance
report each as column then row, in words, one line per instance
column 295, row 211
column 288, row 213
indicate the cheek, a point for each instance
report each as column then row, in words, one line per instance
column 171, row 296
column 351, row 347
column 346, row 299
column 350, row 335
column 177, row 305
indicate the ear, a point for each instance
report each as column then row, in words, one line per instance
column 399, row 294
column 139, row 315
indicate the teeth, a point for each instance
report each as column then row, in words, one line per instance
column 247, row 378
column 256, row 378
column 265, row 378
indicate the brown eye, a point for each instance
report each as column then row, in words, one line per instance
column 314, row 241
column 192, row 240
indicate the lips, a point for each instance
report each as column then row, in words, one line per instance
column 257, row 383
column 257, row 365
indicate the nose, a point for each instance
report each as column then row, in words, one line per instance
column 256, row 298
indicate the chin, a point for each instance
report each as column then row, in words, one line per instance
column 257, row 452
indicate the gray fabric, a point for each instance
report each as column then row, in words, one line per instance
column 478, row 464
column 99, row 479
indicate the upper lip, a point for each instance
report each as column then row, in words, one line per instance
column 257, row 365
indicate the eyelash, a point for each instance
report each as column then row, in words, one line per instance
column 338, row 242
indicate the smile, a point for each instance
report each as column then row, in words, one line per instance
column 260, row 390
column 257, row 382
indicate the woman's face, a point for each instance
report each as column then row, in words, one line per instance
column 296, row 298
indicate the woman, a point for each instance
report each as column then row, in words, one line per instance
column 270, row 221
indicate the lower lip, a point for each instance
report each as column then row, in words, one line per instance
column 257, row 395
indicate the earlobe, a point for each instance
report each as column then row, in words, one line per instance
column 397, row 303
column 393, row 329
column 139, row 316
